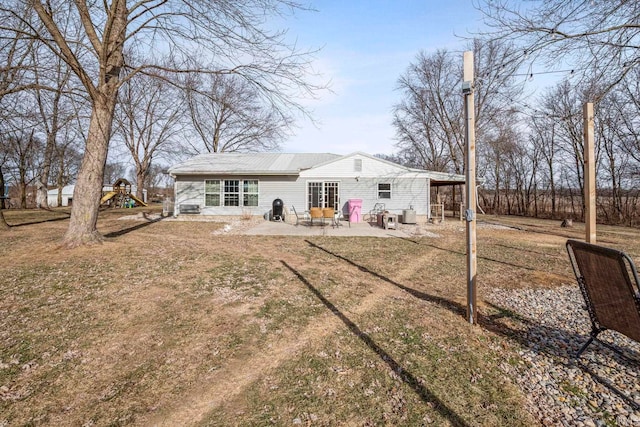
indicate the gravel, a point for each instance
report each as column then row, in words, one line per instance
column 550, row 325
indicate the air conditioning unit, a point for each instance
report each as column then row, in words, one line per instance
column 408, row 216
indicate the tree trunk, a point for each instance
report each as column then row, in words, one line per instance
column 88, row 189
column 3, row 222
column 42, row 194
column 22, row 190
column 141, row 178
column 2, row 183
column 59, row 180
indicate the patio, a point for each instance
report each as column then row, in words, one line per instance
column 272, row 228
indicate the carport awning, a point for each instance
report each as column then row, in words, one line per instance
column 436, row 183
column 439, row 179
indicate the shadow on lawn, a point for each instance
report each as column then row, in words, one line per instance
column 554, row 342
column 406, row 376
column 134, row 228
column 40, row 221
column 497, row 261
column 514, row 248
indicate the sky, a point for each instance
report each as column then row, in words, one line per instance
column 365, row 47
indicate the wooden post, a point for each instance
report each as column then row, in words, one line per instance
column 589, row 174
column 470, row 178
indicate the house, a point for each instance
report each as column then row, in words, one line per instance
column 67, row 196
column 237, row 184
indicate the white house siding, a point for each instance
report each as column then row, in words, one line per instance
column 357, row 175
column 408, row 189
column 345, row 168
column 67, row 193
column 405, row 193
column 190, row 190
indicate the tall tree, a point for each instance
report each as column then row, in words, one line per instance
column 597, row 39
column 428, row 120
column 147, row 119
column 562, row 105
column 629, row 113
column 25, row 157
column 3, row 160
column 231, row 35
column 53, row 117
column 543, row 138
column 15, row 54
column 227, row 115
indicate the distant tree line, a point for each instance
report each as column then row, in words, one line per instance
column 530, row 149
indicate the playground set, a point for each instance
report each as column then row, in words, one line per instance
column 120, row 196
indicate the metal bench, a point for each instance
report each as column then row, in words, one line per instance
column 609, row 283
column 189, row 209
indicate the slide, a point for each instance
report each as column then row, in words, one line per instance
column 108, row 196
column 138, row 201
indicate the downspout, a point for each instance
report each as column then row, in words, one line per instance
column 428, row 199
column 175, row 195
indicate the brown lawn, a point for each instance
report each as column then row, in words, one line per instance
column 174, row 323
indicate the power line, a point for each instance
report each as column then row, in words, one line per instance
column 532, row 74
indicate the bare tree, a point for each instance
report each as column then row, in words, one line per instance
column 15, row 51
column 226, row 114
column 15, row 54
column 596, row 39
column 561, row 107
column 629, row 113
column 147, row 120
column 114, row 171
column 53, row 117
column 3, row 160
column 232, row 35
column 496, row 160
column 24, row 150
column 428, row 120
column 543, row 138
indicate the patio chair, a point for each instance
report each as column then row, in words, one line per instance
column 305, row 215
column 337, row 217
column 609, row 284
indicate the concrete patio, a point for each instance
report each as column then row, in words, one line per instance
column 272, row 228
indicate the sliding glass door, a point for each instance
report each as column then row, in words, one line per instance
column 323, row 194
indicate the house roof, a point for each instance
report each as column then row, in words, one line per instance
column 286, row 164
column 251, row 164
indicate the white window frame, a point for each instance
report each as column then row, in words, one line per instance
column 389, row 191
column 245, row 184
column 226, row 194
column 212, row 193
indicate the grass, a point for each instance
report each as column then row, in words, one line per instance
column 172, row 323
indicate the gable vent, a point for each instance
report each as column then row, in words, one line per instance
column 357, row 165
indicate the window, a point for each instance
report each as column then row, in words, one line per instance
column 250, row 192
column 212, row 192
column 231, row 192
column 384, row 190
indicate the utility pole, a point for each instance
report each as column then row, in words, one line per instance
column 589, row 174
column 470, row 178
